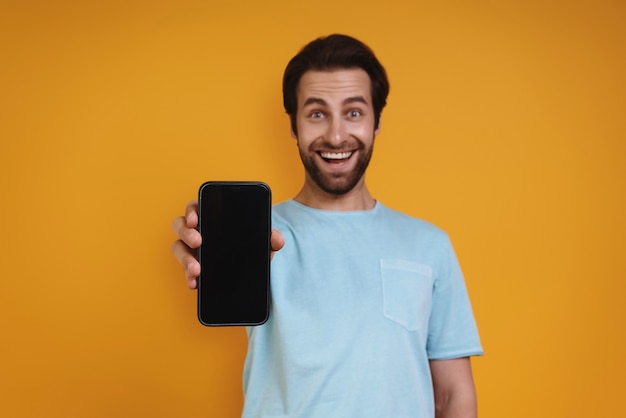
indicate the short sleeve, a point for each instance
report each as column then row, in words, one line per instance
column 452, row 331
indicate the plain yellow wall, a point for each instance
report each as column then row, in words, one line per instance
column 505, row 126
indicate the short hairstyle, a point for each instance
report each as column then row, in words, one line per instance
column 330, row 53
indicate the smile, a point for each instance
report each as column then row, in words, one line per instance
column 335, row 155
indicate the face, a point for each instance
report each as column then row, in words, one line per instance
column 335, row 123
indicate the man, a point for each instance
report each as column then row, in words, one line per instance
column 370, row 315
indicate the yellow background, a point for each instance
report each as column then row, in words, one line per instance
column 505, row 126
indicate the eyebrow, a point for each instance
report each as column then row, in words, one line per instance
column 322, row 102
column 355, row 99
column 314, row 100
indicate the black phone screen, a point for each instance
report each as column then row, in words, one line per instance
column 235, row 225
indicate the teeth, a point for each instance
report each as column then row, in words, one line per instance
column 336, row 155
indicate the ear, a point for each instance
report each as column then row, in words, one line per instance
column 291, row 131
column 380, row 121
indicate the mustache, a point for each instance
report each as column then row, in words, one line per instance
column 345, row 146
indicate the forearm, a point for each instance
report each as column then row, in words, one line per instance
column 456, row 405
column 453, row 384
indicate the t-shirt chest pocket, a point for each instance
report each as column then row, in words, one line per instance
column 407, row 292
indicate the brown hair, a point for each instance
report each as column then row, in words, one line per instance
column 329, row 53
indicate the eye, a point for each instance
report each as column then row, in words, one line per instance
column 316, row 115
column 354, row 113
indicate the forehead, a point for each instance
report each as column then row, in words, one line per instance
column 334, row 85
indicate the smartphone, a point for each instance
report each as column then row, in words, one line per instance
column 235, row 225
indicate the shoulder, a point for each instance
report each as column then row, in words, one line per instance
column 282, row 212
column 282, row 207
column 409, row 222
column 415, row 234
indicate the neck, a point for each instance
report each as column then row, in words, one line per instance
column 358, row 198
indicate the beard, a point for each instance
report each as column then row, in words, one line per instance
column 337, row 183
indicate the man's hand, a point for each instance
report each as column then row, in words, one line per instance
column 185, row 249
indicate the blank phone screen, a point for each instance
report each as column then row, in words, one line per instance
column 235, row 224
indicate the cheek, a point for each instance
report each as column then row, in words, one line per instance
column 307, row 133
column 365, row 134
column 365, row 128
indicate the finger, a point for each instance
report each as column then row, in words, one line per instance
column 178, row 224
column 191, row 214
column 190, row 236
column 277, row 241
column 187, row 258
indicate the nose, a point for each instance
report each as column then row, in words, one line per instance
column 336, row 132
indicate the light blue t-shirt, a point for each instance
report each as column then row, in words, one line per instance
column 360, row 302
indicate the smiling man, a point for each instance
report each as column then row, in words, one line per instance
column 335, row 124
column 370, row 316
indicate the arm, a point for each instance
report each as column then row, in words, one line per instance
column 185, row 249
column 455, row 396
